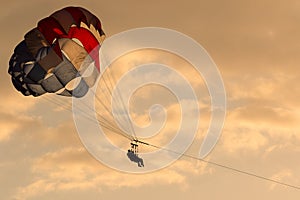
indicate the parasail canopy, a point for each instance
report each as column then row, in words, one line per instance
column 54, row 56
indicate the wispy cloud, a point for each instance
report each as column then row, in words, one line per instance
column 73, row 169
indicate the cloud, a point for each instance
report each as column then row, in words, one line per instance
column 74, row 169
column 59, row 162
column 284, row 175
column 254, row 127
column 7, row 128
column 256, row 53
column 11, row 123
column 243, row 139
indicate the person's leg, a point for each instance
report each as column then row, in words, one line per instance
column 142, row 162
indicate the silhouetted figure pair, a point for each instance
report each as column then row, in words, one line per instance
column 135, row 158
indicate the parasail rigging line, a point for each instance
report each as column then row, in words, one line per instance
column 103, row 122
column 69, row 108
column 184, row 154
column 110, row 78
column 222, row 166
column 109, row 100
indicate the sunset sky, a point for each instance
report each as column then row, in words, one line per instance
column 256, row 46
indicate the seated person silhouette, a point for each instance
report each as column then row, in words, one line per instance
column 134, row 158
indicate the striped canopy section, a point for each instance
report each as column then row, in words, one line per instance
column 60, row 55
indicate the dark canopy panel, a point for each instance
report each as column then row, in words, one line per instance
column 54, row 56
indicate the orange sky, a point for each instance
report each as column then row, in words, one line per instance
column 254, row 44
